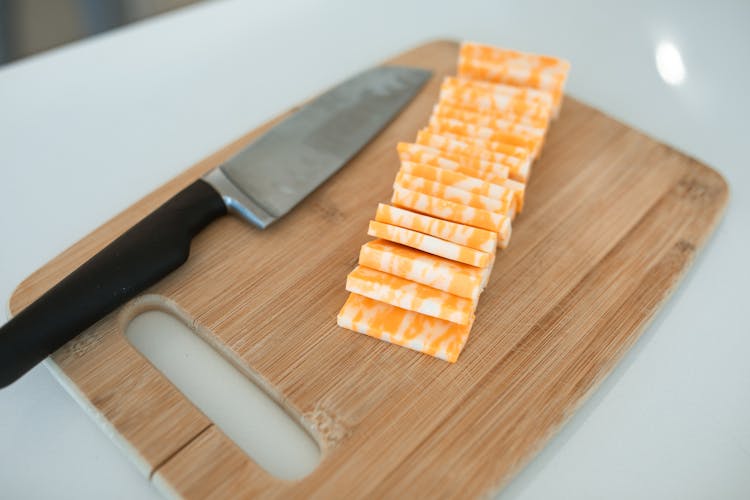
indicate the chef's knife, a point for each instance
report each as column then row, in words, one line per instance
column 260, row 184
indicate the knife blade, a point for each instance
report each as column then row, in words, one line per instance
column 261, row 184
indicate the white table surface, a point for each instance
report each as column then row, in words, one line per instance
column 88, row 129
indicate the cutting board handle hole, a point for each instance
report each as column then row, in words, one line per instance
column 244, row 411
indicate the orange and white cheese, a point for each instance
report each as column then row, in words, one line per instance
column 452, row 211
column 429, row 244
column 450, row 193
column 437, row 272
column 472, row 237
column 458, row 187
column 436, row 337
column 475, row 167
column 526, row 94
column 459, row 180
column 410, row 295
column 519, row 167
column 522, row 139
column 498, row 65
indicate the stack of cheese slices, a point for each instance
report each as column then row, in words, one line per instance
column 459, row 187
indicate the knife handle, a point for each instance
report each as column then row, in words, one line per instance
column 143, row 255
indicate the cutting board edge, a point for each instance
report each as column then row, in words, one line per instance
column 132, row 453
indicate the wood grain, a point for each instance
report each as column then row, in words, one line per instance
column 613, row 220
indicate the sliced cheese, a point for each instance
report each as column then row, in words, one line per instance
column 439, row 338
column 429, row 244
column 487, row 120
column 536, row 122
column 519, row 168
column 526, row 94
column 514, row 67
column 478, row 99
column 474, row 167
column 450, row 193
column 514, row 74
column 472, row 237
column 491, row 53
column 497, row 147
column 437, row 272
column 460, row 181
column 454, row 212
column 409, row 295
column 452, row 125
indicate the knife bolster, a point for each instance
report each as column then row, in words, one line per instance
column 238, row 202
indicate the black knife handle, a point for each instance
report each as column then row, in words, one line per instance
column 143, row 255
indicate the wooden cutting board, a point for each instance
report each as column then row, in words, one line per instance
column 613, row 221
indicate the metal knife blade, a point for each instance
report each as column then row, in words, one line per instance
column 288, row 162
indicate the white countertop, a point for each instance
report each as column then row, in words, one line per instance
column 88, row 129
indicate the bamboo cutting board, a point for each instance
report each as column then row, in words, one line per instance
column 613, row 221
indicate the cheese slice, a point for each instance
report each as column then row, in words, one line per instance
column 519, row 192
column 491, row 53
column 442, row 110
column 452, row 125
column 419, row 153
column 492, row 146
column 429, row 244
column 437, row 272
column 409, row 295
column 514, row 74
column 517, row 68
column 519, row 168
column 498, row 147
column 473, row 98
column 458, row 180
column 526, row 94
column 472, row 237
column 438, row 127
column 450, row 193
column 493, row 173
column 511, row 116
column 455, row 212
column 439, row 338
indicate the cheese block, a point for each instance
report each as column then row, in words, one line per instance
column 450, row 193
column 472, row 237
column 437, row 272
column 481, row 100
column 429, row 244
column 458, row 180
column 442, row 110
column 409, row 295
column 526, row 94
column 439, row 338
column 455, row 212
column 519, row 168
column 452, row 125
